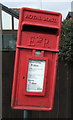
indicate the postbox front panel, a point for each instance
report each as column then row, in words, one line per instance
column 36, row 60
column 23, row 99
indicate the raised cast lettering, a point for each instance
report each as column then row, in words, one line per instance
column 39, row 41
column 46, row 19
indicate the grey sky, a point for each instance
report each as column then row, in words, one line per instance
column 62, row 7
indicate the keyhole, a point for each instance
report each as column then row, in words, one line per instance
column 23, row 77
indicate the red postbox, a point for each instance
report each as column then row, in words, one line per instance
column 36, row 59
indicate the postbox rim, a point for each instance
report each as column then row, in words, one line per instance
column 41, row 11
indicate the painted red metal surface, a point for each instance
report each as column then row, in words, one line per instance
column 38, row 30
